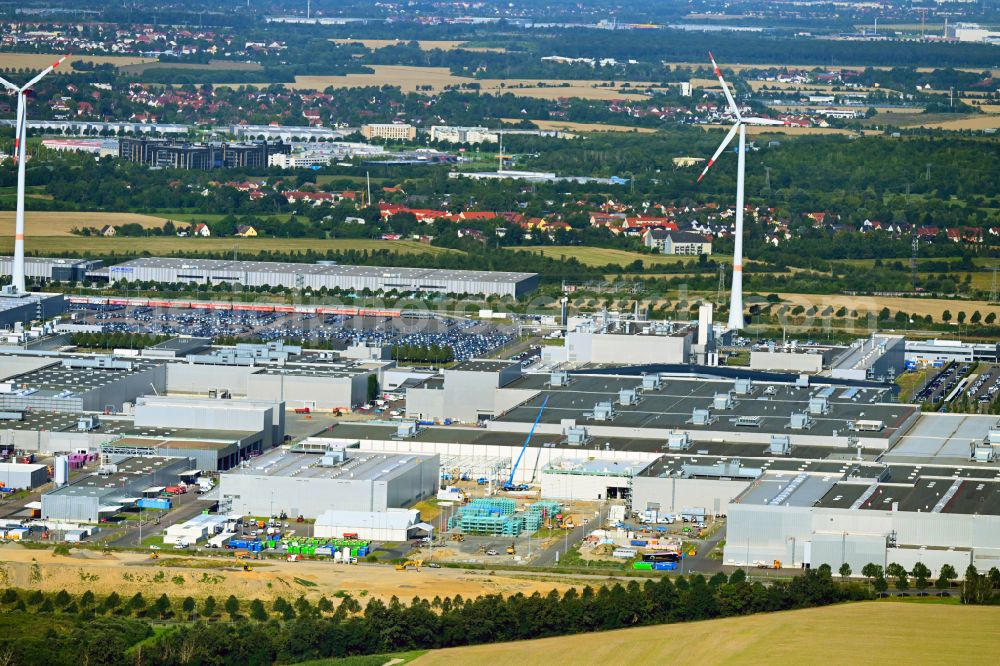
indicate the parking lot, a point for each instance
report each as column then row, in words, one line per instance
column 467, row 338
column 984, row 387
column 939, row 387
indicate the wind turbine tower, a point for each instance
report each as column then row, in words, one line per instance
column 16, row 287
column 739, row 127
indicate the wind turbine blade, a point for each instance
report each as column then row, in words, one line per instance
column 729, row 97
column 18, row 126
column 7, row 84
column 43, row 73
column 764, row 121
column 722, row 147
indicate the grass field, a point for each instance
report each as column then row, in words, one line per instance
column 165, row 246
column 869, row 633
column 42, row 60
column 600, row 256
column 53, row 223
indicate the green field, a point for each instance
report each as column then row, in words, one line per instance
column 870, row 632
column 601, row 256
column 163, row 246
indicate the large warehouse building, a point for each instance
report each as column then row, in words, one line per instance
column 123, row 482
column 312, row 478
column 317, row 276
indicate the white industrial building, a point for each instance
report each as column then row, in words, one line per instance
column 589, row 478
column 454, row 134
column 199, row 528
column 21, row 476
column 388, row 525
column 318, row 475
column 623, row 340
column 317, row 276
column 934, row 515
column 469, row 392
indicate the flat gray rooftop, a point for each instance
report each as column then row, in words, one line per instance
column 943, row 436
column 671, row 406
column 482, row 365
column 97, row 485
column 348, row 271
column 359, row 466
column 788, row 489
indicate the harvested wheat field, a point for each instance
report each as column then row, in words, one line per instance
column 162, row 246
column 570, row 126
column 128, row 573
column 875, row 632
column 753, row 130
column 42, row 60
column 408, row 78
column 864, row 304
column 59, row 223
column 978, row 122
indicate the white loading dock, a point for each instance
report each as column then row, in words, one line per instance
column 590, row 479
column 388, row 525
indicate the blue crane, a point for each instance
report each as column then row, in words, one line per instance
column 510, row 482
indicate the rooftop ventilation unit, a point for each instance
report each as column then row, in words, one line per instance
column 577, row 436
column 748, row 421
column 603, row 411
column 628, row 397
column 800, row 421
column 781, row 445
column 652, row 382
column 993, row 437
column 819, row 405
column 744, row 387
column 407, row 430
column 88, row 423
column 723, row 401
column 678, row 441
column 106, row 362
column 983, row 453
column 559, row 378
column 701, row 417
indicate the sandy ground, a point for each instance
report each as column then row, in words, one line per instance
column 128, row 573
column 830, row 635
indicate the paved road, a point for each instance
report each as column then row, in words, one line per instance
column 185, row 506
column 547, row 557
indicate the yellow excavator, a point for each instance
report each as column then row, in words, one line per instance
column 511, row 550
column 409, row 565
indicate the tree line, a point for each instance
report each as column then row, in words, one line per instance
column 290, row 632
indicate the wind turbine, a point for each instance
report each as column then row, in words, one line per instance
column 20, row 140
column 736, row 294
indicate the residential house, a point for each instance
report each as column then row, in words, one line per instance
column 246, row 231
column 201, row 229
column 108, row 231
column 669, row 241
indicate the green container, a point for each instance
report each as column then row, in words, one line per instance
column 645, row 566
column 294, row 550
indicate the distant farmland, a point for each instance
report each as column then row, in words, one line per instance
column 168, row 245
column 916, row 633
column 42, row 60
